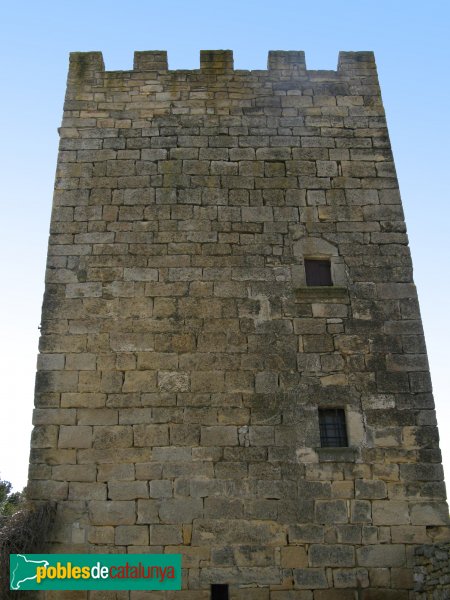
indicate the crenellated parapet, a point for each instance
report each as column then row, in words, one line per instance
column 228, row 88
column 84, row 64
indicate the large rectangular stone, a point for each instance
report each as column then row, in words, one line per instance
column 74, row 472
column 333, row 555
column 151, row 435
column 234, row 531
column 131, row 535
column 310, row 578
column 386, row 555
column 220, row 435
column 127, row 490
column 113, row 436
column 77, row 436
column 390, row 512
column 331, row 511
column 181, row 510
column 112, row 512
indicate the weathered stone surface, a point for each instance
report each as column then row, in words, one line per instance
column 89, row 491
column 127, row 490
column 431, row 574
column 219, row 436
column 112, row 437
column 351, row 578
column 298, row 534
column 310, row 578
column 181, row 510
column 381, row 556
column 185, row 355
column 433, row 513
column 112, row 513
column 232, row 532
column 294, row 557
column 131, row 535
column 390, row 512
column 165, row 535
column 331, row 556
column 173, row 381
column 370, row 489
column 74, row 473
column 331, row 511
column 75, row 437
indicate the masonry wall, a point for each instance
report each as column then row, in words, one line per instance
column 432, row 572
column 183, row 358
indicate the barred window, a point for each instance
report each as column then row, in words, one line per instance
column 333, row 430
column 318, row 272
column 219, row 591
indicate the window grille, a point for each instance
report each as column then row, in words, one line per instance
column 333, row 431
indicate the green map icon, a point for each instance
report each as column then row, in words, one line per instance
column 23, row 569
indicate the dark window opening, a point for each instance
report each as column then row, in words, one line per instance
column 219, row 591
column 333, row 431
column 318, row 272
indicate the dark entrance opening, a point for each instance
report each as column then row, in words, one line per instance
column 219, row 591
column 318, row 272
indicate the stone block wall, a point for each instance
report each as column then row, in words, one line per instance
column 183, row 358
column 432, row 573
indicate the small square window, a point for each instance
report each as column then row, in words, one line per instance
column 333, row 431
column 219, row 591
column 318, row 272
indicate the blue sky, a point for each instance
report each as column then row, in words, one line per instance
column 410, row 41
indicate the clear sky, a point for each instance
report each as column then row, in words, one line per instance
column 412, row 49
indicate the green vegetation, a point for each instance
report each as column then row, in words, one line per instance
column 23, row 527
column 10, row 502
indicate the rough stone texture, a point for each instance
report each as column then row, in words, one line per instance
column 183, row 359
column 432, row 572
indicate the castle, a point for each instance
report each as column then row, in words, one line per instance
column 232, row 363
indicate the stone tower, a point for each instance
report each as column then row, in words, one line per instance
column 232, row 364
